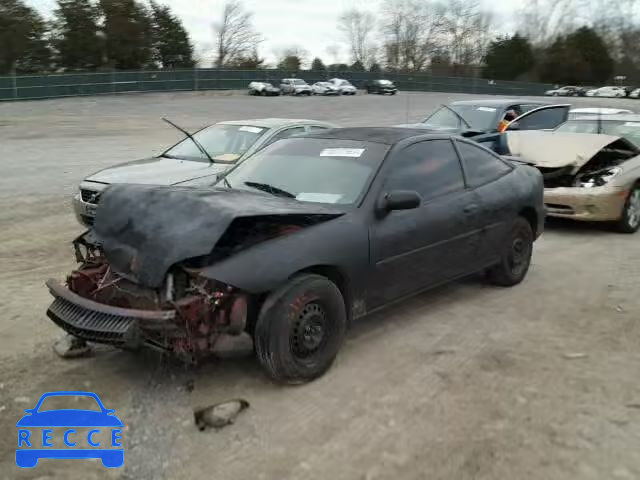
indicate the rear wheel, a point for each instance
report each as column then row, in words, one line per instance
column 630, row 220
column 516, row 255
column 300, row 329
column 263, row 93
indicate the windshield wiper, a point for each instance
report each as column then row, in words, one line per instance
column 265, row 187
column 226, row 182
column 190, row 137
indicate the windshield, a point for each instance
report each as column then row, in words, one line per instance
column 478, row 117
column 224, row 143
column 620, row 128
column 384, row 82
column 310, row 169
column 299, row 82
column 66, row 402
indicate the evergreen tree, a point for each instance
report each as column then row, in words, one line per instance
column 128, row 30
column 172, row 47
column 508, row 58
column 290, row 63
column 75, row 35
column 23, row 44
column 375, row 68
column 357, row 66
column 317, row 65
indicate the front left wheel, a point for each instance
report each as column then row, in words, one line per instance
column 515, row 256
column 630, row 220
column 300, row 329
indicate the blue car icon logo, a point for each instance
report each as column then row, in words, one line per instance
column 36, row 433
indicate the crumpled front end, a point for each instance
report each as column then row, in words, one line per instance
column 188, row 315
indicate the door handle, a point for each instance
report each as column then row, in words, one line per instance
column 470, row 208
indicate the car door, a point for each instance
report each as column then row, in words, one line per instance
column 547, row 117
column 486, row 174
column 415, row 249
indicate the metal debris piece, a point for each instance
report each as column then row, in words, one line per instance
column 71, row 347
column 219, row 415
column 574, row 356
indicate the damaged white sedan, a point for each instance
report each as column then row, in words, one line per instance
column 590, row 177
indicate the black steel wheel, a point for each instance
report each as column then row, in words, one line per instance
column 300, row 329
column 516, row 255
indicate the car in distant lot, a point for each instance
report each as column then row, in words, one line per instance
column 263, row 88
column 324, row 88
column 381, row 87
column 610, row 91
column 344, row 86
column 294, row 86
column 476, row 117
column 293, row 244
column 635, row 93
column 587, row 176
column 621, row 125
column 567, row 91
column 208, row 152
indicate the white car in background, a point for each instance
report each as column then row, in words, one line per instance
column 618, row 92
column 635, row 93
column 596, row 111
column 324, row 88
column 345, row 86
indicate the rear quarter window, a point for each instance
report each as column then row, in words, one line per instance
column 481, row 167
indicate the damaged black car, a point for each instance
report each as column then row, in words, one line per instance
column 292, row 245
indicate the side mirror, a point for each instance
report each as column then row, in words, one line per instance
column 400, row 200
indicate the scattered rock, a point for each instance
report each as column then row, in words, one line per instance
column 219, row 415
column 444, row 351
column 574, row 356
column 71, row 347
column 22, row 400
column 2, row 408
column 633, row 405
column 619, row 309
column 189, row 385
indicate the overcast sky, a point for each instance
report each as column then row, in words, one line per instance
column 307, row 23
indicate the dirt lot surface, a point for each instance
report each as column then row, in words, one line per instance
column 465, row 382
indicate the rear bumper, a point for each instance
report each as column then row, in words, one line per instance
column 96, row 322
column 598, row 204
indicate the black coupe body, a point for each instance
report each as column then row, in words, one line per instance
column 297, row 241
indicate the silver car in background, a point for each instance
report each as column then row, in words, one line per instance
column 325, row 88
column 345, row 86
column 294, row 86
column 206, row 153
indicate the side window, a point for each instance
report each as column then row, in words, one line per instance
column 481, row 166
column 547, row 118
column 431, row 168
column 285, row 134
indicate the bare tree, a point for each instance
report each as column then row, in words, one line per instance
column 357, row 27
column 412, row 31
column 235, row 35
column 542, row 21
column 466, row 32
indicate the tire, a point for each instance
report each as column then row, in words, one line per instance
column 263, row 93
column 555, row 94
column 630, row 220
column 516, row 255
column 284, row 346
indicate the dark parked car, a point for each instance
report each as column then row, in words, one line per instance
column 382, row 87
column 296, row 242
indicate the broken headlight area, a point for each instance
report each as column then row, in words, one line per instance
column 596, row 179
column 188, row 315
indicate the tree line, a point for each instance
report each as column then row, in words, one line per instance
column 557, row 41
column 87, row 35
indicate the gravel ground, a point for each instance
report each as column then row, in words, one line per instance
column 465, row 382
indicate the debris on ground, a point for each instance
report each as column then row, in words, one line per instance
column 619, row 309
column 574, row 356
column 634, row 405
column 219, row 415
column 71, row 347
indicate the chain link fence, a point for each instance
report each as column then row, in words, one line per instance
column 29, row 87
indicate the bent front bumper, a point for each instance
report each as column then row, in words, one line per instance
column 598, row 204
column 96, row 322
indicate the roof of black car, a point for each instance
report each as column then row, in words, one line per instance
column 500, row 102
column 385, row 135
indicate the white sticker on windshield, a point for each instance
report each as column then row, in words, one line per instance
column 250, row 129
column 486, row 109
column 632, row 124
column 318, row 197
column 342, row 152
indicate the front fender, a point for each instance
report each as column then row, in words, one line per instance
column 341, row 243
